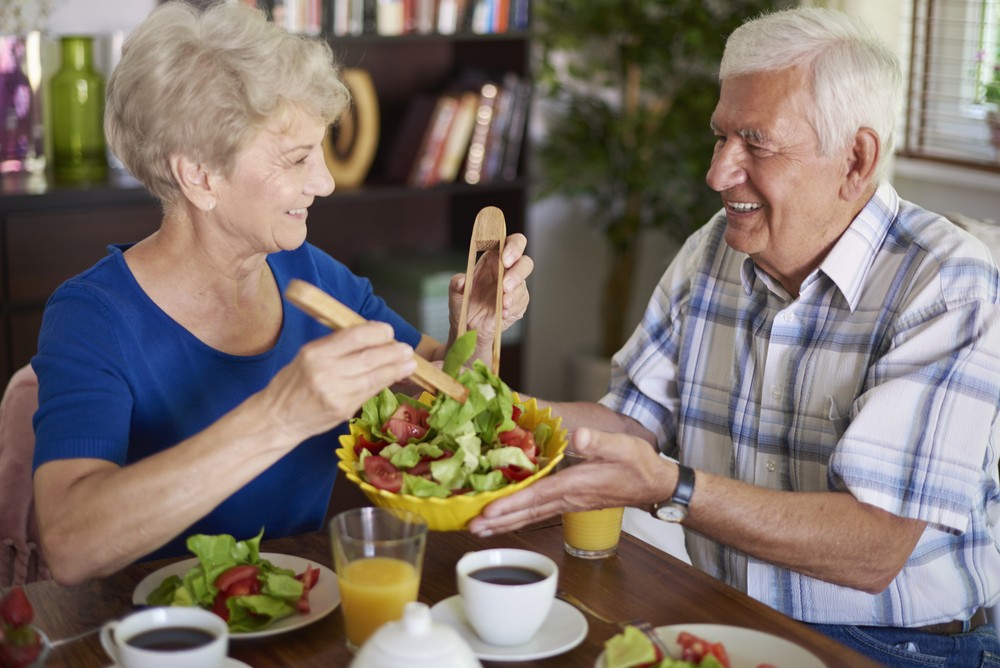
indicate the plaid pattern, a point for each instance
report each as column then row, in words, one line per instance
column 882, row 379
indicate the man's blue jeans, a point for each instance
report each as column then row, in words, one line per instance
column 906, row 648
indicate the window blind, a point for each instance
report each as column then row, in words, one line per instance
column 953, row 48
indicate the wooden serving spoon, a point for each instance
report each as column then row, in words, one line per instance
column 488, row 232
column 336, row 315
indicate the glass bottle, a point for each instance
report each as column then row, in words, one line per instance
column 78, row 147
column 22, row 140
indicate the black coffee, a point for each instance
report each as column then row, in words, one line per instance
column 508, row 575
column 173, row 639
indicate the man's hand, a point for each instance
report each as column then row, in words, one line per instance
column 619, row 471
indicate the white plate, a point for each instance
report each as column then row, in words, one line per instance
column 747, row 648
column 562, row 630
column 230, row 663
column 323, row 598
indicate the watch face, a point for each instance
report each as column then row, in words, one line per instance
column 671, row 513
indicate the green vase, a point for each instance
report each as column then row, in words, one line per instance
column 78, row 147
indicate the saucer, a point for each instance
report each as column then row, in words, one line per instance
column 562, row 630
column 229, row 663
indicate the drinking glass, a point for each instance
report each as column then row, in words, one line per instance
column 591, row 534
column 378, row 555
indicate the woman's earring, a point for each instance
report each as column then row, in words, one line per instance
column 211, row 205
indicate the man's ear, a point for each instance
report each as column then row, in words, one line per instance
column 195, row 182
column 862, row 159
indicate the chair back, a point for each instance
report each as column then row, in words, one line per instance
column 21, row 559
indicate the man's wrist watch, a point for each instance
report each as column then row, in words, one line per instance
column 675, row 509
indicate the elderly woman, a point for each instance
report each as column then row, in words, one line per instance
column 178, row 393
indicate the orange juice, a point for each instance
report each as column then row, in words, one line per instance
column 593, row 533
column 374, row 591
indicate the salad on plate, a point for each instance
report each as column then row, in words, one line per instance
column 632, row 649
column 232, row 580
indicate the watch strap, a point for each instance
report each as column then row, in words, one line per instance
column 675, row 508
column 685, row 486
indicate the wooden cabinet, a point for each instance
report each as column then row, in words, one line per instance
column 48, row 234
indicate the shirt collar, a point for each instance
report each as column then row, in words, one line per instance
column 852, row 257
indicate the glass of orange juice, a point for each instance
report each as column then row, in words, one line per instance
column 378, row 554
column 590, row 534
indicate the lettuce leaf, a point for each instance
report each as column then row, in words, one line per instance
column 280, row 589
column 467, row 429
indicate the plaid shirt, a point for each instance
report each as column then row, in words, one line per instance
column 881, row 379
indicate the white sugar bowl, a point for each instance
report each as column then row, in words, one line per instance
column 416, row 641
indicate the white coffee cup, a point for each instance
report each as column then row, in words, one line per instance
column 503, row 613
column 167, row 637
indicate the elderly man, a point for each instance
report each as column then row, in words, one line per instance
column 823, row 359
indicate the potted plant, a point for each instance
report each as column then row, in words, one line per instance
column 631, row 85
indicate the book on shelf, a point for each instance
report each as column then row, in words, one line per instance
column 477, row 144
column 517, row 128
column 390, row 17
column 520, row 14
column 405, row 145
column 425, row 169
column 457, row 143
column 445, row 17
column 497, row 135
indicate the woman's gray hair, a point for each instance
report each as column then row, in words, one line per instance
column 856, row 78
column 202, row 83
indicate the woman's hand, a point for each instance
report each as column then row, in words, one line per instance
column 482, row 301
column 331, row 377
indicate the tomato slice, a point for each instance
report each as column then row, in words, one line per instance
column 308, row 578
column 244, row 587
column 516, row 415
column 515, row 473
column 220, row 607
column 718, row 650
column 520, row 437
column 407, row 423
column 694, row 649
column 382, row 474
column 362, row 443
column 233, row 575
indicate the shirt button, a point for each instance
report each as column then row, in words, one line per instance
column 788, row 317
column 770, row 466
column 775, row 393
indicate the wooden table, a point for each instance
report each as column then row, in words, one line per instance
column 640, row 581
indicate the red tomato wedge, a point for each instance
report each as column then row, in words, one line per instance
column 308, row 578
column 363, row 443
column 694, row 649
column 233, row 575
column 519, row 437
column 382, row 474
column 515, row 473
column 406, row 423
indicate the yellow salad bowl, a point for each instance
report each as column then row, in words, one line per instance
column 455, row 512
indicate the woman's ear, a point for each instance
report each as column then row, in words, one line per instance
column 862, row 160
column 195, row 182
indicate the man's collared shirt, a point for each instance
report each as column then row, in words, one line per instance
column 881, row 379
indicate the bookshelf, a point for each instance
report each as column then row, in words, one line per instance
column 391, row 215
column 49, row 233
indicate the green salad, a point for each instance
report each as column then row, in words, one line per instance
column 449, row 447
column 232, row 580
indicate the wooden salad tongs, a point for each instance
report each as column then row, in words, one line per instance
column 488, row 233
column 336, row 315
